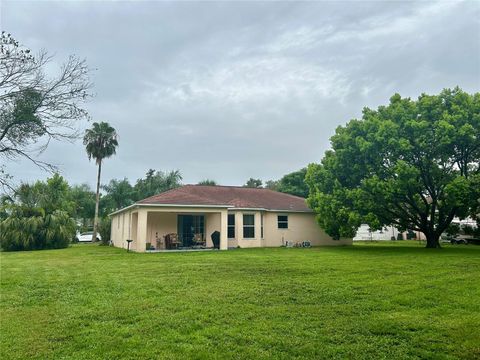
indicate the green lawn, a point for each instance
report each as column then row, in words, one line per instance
column 369, row 301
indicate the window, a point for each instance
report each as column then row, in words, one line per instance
column 231, row 226
column 248, row 226
column 261, row 226
column 282, row 221
column 198, row 225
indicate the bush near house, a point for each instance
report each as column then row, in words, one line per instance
column 104, row 228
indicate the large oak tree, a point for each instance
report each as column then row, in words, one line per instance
column 413, row 164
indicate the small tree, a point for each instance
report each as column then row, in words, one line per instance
column 104, row 228
column 101, row 143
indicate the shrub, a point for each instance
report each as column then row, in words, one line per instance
column 104, row 228
column 31, row 229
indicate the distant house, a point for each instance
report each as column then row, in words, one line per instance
column 364, row 233
column 195, row 216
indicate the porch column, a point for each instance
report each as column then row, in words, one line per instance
column 258, row 226
column 224, row 230
column 238, row 225
column 141, row 230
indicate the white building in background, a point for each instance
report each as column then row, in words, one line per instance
column 465, row 222
column 364, row 233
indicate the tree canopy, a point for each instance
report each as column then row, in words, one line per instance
column 50, row 195
column 294, row 183
column 84, row 202
column 119, row 194
column 156, row 182
column 100, row 141
column 253, row 183
column 208, row 182
column 413, row 164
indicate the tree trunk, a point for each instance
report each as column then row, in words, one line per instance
column 432, row 240
column 95, row 220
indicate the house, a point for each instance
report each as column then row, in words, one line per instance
column 186, row 217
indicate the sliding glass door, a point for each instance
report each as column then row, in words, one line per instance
column 188, row 226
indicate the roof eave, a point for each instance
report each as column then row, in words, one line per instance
column 229, row 207
column 137, row 205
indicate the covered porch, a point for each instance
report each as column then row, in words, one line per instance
column 177, row 229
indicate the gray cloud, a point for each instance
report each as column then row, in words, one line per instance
column 233, row 90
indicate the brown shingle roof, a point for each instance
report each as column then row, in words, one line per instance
column 238, row 197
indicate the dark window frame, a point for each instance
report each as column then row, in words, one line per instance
column 261, row 225
column 249, row 229
column 231, row 226
column 282, row 223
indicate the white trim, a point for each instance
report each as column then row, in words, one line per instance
column 171, row 205
column 292, row 211
column 271, row 210
column 187, row 205
column 247, row 209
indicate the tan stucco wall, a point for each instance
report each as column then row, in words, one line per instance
column 160, row 224
column 121, row 230
column 212, row 223
column 301, row 227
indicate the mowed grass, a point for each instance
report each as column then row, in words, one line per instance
column 371, row 301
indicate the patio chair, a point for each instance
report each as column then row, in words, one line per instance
column 198, row 240
column 172, row 241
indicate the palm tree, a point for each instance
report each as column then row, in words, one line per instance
column 100, row 142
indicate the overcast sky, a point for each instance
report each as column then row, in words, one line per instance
column 234, row 90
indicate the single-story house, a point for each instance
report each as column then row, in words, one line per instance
column 199, row 216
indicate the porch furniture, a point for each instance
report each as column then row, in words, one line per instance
column 198, row 240
column 216, row 239
column 172, row 241
column 160, row 241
